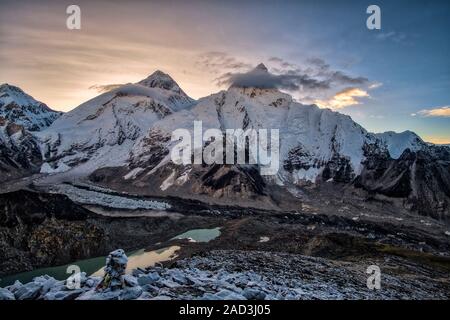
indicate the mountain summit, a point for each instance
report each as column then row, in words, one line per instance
column 259, row 78
column 159, row 79
column 22, row 109
column 261, row 67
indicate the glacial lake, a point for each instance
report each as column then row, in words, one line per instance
column 136, row 259
column 199, row 235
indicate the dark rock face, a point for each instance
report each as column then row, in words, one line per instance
column 234, row 179
column 19, row 152
column 40, row 230
column 338, row 168
column 297, row 159
column 44, row 229
column 422, row 178
column 155, row 150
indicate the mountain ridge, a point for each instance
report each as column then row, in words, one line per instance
column 130, row 128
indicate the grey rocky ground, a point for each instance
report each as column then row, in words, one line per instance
column 232, row 274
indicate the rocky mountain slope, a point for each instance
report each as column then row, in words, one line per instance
column 20, row 116
column 19, row 152
column 101, row 131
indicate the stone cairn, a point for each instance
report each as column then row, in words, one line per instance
column 116, row 263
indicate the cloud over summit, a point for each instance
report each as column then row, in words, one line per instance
column 315, row 78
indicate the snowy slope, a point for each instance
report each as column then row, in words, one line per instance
column 314, row 143
column 18, row 107
column 310, row 138
column 131, row 126
column 398, row 142
column 101, row 131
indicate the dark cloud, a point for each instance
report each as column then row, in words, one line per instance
column 105, row 87
column 342, row 78
column 322, row 69
column 319, row 64
column 217, row 62
column 314, row 78
column 288, row 76
column 261, row 78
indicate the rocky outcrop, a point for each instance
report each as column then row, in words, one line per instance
column 19, row 151
column 232, row 180
column 422, row 178
column 43, row 229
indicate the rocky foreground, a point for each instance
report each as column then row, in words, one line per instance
column 241, row 275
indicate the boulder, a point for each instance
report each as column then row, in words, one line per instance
column 225, row 294
column 149, row 278
column 92, row 281
column 131, row 293
column 107, row 294
column 15, row 286
column 130, row 281
column 63, row 295
column 47, row 284
column 5, row 294
column 28, row 291
column 253, row 294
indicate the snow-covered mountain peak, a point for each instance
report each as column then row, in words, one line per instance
column 396, row 143
column 18, row 107
column 10, row 93
column 159, row 79
column 265, row 96
column 110, row 123
column 257, row 78
column 261, row 67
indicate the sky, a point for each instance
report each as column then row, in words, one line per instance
column 393, row 79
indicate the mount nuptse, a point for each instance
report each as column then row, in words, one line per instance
column 123, row 138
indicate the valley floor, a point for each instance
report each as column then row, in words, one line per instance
column 318, row 251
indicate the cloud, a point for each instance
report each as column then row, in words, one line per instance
column 319, row 68
column 261, row 78
column 341, row 78
column 375, row 85
column 398, row 37
column 435, row 112
column 219, row 62
column 313, row 81
column 285, row 75
column 344, row 98
column 105, row 87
